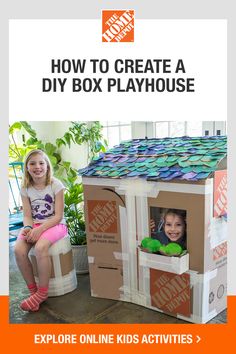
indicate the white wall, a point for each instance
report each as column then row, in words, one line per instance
column 142, row 129
column 50, row 131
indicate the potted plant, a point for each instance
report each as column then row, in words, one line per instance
column 76, row 225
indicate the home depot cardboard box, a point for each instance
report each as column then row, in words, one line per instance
column 102, row 206
column 116, row 224
column 118, row 211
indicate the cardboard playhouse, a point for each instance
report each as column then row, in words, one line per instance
column 130, row 184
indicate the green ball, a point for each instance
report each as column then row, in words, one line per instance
column 145, row 242
column 151, row 244
column 173, row 249
column 162, row 249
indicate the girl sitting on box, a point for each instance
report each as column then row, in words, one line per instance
column 172, row 228
column 43, row 207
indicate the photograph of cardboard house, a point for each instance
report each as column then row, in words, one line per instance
column 123, row 187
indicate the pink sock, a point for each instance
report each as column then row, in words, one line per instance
column 33, row 302
column 32, row 288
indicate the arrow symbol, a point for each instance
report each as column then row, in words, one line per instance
column 198, row 339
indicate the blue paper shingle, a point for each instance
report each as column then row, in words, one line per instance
column 183, row 158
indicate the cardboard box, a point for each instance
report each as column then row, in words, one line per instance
column 118, row 212
column 190, row 296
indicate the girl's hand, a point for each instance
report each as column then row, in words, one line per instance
column 152, row 225
column 25, row 231
column 34, row 234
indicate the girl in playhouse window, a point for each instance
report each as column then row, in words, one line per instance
column 171, row 228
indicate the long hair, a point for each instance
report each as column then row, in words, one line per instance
column 27, row 179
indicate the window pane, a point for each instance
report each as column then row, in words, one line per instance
column 161, row 129
column 104, row 133
column 125, row 132
column 111, row 123
column 177, row 129
column 194, row 128
column 113, row 136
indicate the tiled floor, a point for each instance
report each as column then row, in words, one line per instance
column 79, row 307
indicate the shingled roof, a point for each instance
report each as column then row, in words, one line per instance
column 182, row 158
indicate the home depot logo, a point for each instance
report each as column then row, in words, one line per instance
column 220, row 251
column 170, row 292
column 118, row 25
column 220, row 193
column 102, row 216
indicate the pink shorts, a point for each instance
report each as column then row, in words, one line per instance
column 53, row 234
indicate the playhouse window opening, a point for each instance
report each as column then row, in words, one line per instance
column 168, row 225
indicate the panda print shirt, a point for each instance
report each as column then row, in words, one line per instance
column 43, row 201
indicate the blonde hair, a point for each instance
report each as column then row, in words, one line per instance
column 27, row 179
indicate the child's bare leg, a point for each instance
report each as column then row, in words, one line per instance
column 43, row 261
column 22, row 249
column 44, row 271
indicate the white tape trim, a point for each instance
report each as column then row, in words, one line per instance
column 139, row 299
column 62, row 246
column 155, row 308
column 93, row 181
column 142, row 187
column 198, row 297
column 90, row 259
column 137, row 187
column 121, row 256
column 201, row 284
column 125, row 294
column 198, row 319
column 131, row 243
column 218, row 232
column 210, row 275
column 193, row 277
column 184, row 188
column 142, row 219
column 209, row 316
column 125, row 252
column 177, row 265
column 93, row 293
column 56, row 266
column 211, row 196
column 206, row 290
column 192, row 318
column 144, row 281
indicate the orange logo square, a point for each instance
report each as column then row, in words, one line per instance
column 170, row 292
column 118, row 25
column 102, row 216
column 220, row 193
column 220, row 251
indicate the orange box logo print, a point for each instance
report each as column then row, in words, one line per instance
column 220, row 193
column 118, row 25
column 102, row 215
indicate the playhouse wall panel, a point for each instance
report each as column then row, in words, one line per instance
column 117, row 218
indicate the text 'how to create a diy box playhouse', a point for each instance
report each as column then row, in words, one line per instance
column 131, row 184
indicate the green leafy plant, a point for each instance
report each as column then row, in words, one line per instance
column 73, row 212
column 80, row 133
column 30, row 141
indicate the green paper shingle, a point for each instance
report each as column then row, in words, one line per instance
column 191, row 158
